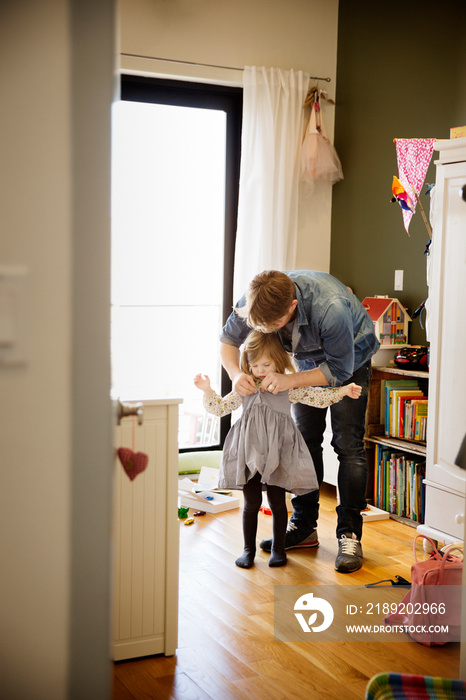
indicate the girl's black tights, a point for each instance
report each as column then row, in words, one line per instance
column 276, row 497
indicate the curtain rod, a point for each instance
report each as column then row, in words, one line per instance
column 204, row 65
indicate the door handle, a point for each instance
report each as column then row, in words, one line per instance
column 125, row 409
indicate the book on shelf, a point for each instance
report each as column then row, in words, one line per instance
column 404, row 410
column 419, row 420
column 399, row 400
column 387, row 385
column 398, row 483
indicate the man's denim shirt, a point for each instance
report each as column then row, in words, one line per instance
column 332, row 330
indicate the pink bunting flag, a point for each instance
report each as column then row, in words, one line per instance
column 413, row 156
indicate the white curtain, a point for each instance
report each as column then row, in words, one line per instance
column 272, row 133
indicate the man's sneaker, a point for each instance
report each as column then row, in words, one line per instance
column 295, row 537
column 349, row 556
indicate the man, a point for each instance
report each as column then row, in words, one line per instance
column 332, row 339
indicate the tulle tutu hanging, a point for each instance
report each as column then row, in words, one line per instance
column 319, row 159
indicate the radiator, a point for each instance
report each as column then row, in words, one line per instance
column 146, row 537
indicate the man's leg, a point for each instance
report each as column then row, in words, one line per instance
column 301, row 530
column 311, row 423
column 276, row 497
column 348, row 427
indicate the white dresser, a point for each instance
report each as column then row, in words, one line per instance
column 146, row 537
column 445, row 482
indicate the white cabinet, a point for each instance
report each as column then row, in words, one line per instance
column 445, row 482
column 146, row 537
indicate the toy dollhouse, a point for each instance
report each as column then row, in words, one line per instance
column 390, row 319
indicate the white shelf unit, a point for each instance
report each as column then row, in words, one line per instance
column 375, row 428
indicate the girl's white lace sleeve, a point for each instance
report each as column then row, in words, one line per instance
column 317, row 396
column 222, row 407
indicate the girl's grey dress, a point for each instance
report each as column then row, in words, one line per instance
column 265, row 439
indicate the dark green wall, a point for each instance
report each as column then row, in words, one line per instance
column 401, row 74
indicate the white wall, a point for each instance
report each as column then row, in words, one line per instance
column 35, row 404
column 56, row 82
column 298, row 34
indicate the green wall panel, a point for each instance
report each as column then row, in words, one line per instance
column 401, row 74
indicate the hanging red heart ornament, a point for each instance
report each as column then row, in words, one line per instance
column 133, row 462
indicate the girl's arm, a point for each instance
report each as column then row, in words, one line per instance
column 213, row 403
column 322, row 397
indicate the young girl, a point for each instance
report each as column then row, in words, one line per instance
column 264, row 445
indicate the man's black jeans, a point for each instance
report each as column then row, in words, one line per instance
column 348, row 426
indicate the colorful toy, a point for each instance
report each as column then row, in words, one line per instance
column 401, row 196
column 416, row 357
column 390, row 319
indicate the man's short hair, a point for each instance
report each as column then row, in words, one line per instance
column 269, row 297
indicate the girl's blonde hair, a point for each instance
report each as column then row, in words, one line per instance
column 258, row 344
column 269, row 297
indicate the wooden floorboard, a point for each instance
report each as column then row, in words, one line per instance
column 226, row 648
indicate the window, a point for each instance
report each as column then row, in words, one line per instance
column 176, row 150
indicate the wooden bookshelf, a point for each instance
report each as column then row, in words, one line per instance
column 411, row 446
column 375, row 428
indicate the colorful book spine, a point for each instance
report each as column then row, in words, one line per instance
column 398, row 418
column 388, row 386
column 404, row 410
column 398, row 483
column 419, row 420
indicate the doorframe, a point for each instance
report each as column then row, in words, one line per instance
column 93, row 89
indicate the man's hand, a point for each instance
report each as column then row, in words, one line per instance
column 274, row 382
column 244, row 384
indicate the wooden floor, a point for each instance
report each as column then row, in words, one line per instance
column 226, row 644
